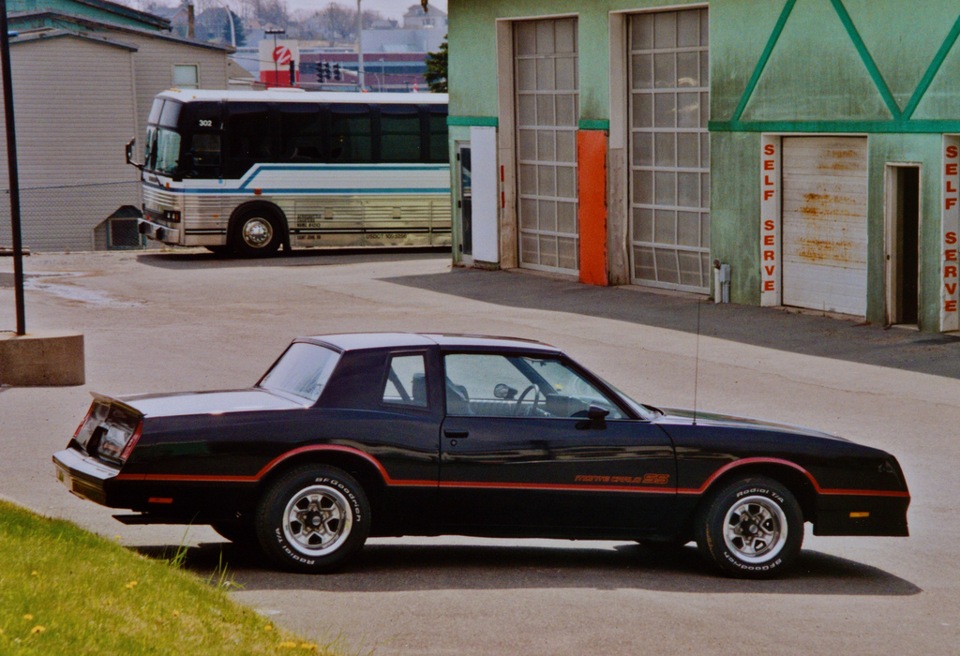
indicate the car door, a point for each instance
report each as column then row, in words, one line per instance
column 531, row 444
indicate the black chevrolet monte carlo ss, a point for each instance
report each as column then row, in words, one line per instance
column 356, row 435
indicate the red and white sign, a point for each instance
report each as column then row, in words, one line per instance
column 950, row 229
column 275, row 58
column 770, row 287
column 282, row 55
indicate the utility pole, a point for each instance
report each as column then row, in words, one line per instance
column 276, row 64
column 12, row 170
column 360, row 81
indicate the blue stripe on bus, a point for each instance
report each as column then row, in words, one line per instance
column 320, row 168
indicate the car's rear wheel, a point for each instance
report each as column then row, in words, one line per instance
column 751, row 528
column 313, row 519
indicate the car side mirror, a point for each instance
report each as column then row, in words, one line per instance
column 596, row 418
column 504, row 391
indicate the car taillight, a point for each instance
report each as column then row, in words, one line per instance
column 131, row 442
column 86, row 418
column 109, row 431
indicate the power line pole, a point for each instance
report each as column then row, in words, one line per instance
column 12, row 169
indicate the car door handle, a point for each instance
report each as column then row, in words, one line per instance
column 456, row 434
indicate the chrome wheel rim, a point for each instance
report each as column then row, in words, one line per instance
column 257, row 232
column 317, row 520
column 755, row 529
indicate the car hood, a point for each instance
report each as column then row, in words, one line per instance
column 675, row 417
column 209, row 403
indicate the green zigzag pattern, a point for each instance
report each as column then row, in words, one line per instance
column 902, row 118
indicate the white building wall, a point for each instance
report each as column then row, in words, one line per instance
column 74, row 110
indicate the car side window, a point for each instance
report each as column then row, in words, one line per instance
column 510, row 386
column 406, row 382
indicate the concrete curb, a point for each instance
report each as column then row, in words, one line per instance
column 42, row 359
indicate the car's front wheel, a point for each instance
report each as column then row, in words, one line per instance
column 313, row 519
column 751, row 528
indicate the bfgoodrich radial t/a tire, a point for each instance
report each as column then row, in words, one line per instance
column 751, row 528
column 313, row 519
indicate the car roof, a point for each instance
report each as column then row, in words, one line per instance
column 362, row 341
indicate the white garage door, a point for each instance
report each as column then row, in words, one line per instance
column 670, row 150
column 825, row 223
column 547, row 118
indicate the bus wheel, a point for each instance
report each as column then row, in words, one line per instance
column 256, row 233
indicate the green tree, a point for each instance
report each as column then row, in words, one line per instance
column 436, row 75
column 233, row 27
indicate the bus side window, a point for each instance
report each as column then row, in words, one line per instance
column 350, row 134
column 400, row 133
column 436, row 134
column 301, row 132
column 247, row 137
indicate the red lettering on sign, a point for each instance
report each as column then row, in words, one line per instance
column 952, row 169
column 768, row 240
column 950, row 306
column 769, row 269
column 950, row 187
column 768, row 224
column 952, row 152
column 769, row 256
column 951, row 288
column 770, row 149
column 950, row 238
column 950, row 271
column 768, row 194
column 769, row 165
column 950, row 254
column 767, row 181
column 950, row 203
column 768, row 286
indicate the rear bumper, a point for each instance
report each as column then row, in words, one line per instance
column 86, row 477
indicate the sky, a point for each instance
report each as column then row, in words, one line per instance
column 389, row 8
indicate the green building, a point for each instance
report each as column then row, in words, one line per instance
column 799, row 153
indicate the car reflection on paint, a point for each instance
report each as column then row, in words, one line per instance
column 389, row 434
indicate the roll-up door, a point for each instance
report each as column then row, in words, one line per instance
column 547, row 119
column 670, row 150
column 825, row 223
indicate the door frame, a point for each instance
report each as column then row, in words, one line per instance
column 894, row 223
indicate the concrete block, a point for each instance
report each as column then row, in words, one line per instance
column 41, row 359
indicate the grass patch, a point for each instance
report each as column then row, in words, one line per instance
column 64, row 590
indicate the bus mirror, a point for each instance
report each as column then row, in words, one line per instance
column 129, row 151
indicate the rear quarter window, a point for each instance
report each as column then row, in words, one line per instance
column 302, row 371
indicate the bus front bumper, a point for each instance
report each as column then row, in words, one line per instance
column 158, row 232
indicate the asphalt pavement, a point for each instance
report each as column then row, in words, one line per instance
column 186, row 320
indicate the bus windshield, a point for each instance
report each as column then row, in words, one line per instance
column 183, row 140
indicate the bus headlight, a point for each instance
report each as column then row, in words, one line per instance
column 173, row 216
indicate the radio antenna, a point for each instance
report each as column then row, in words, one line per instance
column 696, row 366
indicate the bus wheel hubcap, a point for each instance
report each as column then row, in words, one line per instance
column 257, row 232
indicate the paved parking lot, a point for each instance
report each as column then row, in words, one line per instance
column 186, row 320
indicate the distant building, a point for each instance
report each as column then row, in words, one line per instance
column 421, row 32
column 84, row 77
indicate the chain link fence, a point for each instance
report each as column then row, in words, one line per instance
column 75, row 217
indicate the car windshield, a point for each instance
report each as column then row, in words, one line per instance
column 303, row 371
